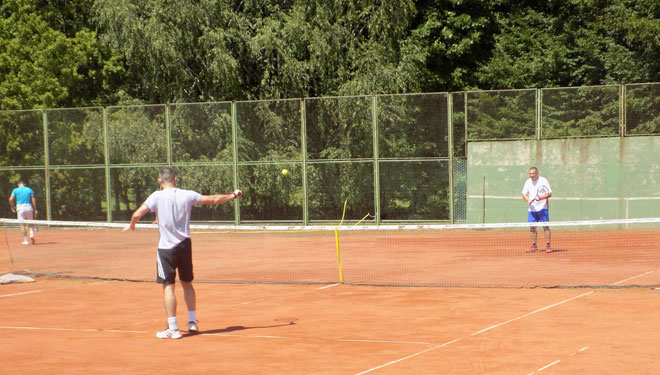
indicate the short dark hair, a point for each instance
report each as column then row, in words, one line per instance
column 20, row 182
column 534, row 168
column 167, row 174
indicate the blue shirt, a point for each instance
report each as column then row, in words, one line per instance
column 23, row 195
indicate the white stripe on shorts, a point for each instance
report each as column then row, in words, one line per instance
column 161, row 273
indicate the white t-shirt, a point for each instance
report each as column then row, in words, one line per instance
column 531, row 189
column 172, row 206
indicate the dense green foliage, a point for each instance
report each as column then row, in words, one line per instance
column 57, row 53
column 128, row 53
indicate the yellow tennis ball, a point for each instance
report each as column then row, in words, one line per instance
column 285, row 172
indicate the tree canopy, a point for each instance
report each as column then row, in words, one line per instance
column 57, row 53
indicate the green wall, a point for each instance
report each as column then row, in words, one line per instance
column 591, row 178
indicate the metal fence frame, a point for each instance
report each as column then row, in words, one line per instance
column 457, row 133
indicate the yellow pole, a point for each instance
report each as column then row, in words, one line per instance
column 341, row 268
column 361, row 220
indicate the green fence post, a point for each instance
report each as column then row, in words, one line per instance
column 168, row 134
column 465, row 119
column 44, row 117
column 450, row 148
column 234, row 132
column 106, row 157
column 374, row 121
column 539, row 114
column 303, row 140
column 622, row 110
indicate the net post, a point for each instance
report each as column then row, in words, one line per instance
column 341, row 267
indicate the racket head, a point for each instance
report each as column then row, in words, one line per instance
column 541, row 192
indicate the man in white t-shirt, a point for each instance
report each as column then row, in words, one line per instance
column 536, row 192
column 173, row 207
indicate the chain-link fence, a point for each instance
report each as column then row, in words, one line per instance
column 390, row 157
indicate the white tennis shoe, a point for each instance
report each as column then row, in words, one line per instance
column 192, row 327
column 169, row 334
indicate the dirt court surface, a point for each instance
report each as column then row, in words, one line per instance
column 457, row 258
column 69, row 326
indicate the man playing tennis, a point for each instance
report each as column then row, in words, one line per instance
column 173, row 207
column 25, row 208
column 536, row 192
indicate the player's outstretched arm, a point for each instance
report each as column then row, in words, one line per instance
column 220, row 198
column 136, row 217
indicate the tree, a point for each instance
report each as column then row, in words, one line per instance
column 456, row 37
column 573, row 43
column 42, row 67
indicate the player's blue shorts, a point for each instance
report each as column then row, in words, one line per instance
column 538, row 216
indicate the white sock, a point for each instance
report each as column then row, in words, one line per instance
column 192, row 316
column 31, row 233
column 171, row 322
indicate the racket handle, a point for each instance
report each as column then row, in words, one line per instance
column 237, row 193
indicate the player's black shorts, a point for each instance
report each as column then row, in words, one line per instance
column 169, row 260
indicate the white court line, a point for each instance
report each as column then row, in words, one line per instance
column 242, row 303
column 548, row 365
column 245, row 336
column 327, row 286
column 567, row 198
column 531, row 313
column 20, row 294
column 579, row 351
column 634, row 277
column 408, row 357
column 386, row 341
column 48, row 290
column 200, row 334
column 72, row 329
column 474, row 334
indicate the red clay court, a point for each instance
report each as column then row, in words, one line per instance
column 270, row 304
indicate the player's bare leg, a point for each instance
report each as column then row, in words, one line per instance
column 546, row 233
column 191, row 304
column 24, row 231
column 172, row 332
column 534, row 234
column 170, row 300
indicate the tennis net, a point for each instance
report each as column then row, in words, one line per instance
column 597, row 253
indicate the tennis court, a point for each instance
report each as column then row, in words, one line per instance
column 269, row 302
column 104, row 327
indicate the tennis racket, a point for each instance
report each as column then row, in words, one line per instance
column 540, row 194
